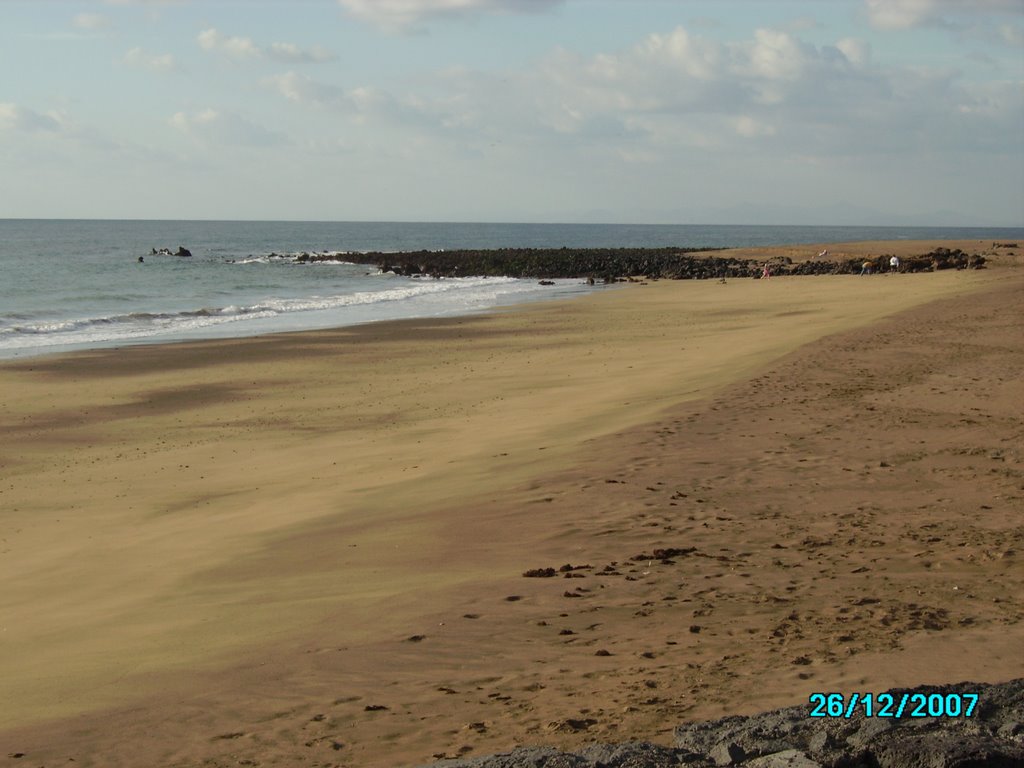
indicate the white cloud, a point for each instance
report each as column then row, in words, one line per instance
column 776, row 55
column 17, row 118
column 680, row 94
column 302, row 90
column 355, row 102
column 290, row 52
column 225, row 128
column 242, row 48
column 901, row 14
column 399, row 14
column 857, row 52
column 155, row 62
column 908, row 14
column 748, row 127
column 679, row 51
column 146, row 2
column 683, row 73
column 235, row 47
column 1012, row 35
column 91, row 21
column 184, row 123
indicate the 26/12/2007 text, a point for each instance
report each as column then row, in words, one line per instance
column 895, row 705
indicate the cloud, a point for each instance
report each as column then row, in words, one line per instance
column 777, row 55
column 155, row 62
column 225, row 128
column 857, row 52
column 301, row 89
column 679, row 94
column 1012, row 35
column 53, row 128
column 234, row 47
column 91, row 21
column 292, row 53
column 678, row 91
column 748, row 127
column 681, row 73
column 146, row 2
column 893, row 15
column 243, row 48
column 13, row 117
column 402, row 14
column 901, row 14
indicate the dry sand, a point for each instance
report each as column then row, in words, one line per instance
column 307, row 549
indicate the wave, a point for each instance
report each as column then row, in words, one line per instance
column 322, row 257
column 134, row 325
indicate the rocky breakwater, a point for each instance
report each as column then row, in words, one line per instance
column 612, row 264
column 993, row 735
column 607, row 264
column 598, row 263
column 933, row 261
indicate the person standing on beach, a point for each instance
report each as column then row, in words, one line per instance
column 894, row 263
column 865, row 268
column 766, row 273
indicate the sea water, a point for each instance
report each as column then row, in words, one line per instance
column 72, row 284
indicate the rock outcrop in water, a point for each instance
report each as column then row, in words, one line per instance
column 182, row 251
column 610, row 264
column 992, row 736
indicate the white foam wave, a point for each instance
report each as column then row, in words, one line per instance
column 321, row 258
column 418, row 297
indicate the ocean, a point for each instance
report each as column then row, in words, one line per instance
column 75, row 284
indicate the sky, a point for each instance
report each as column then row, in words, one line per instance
column 619, row 111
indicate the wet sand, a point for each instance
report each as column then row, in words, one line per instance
column 308, row 549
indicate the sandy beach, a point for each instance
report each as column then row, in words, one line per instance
column 308, row 549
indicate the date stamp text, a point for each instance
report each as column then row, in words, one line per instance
column 897, row 705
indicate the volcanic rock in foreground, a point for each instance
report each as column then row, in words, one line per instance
column 992, row 736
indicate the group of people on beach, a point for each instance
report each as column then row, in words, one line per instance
column 868, row 266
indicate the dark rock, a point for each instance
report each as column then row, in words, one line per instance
column 610, row 265
column 540, row 573
column 183, row 251
column 790, row 758
column 574, row 725
column 728, row 754
column 663, row 554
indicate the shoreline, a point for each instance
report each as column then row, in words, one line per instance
column 219, row 461
column 604, row 265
